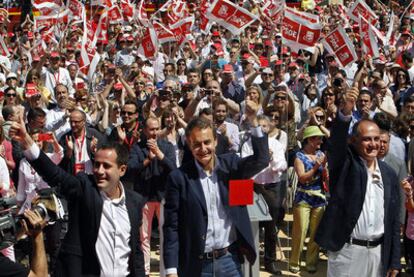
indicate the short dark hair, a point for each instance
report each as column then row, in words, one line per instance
column 193, row 70
column 7, row 112
column 206, row 111
column 131, row 102
column 198, row 123
column 365, row 92
column 9, row 89
column 383, row 121
column 218, row 102
column 35, row 113
column 409, row 99
column 122, row 152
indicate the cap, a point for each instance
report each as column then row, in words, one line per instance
column 312, row 131
column 293, row 65
column 130, row 38
column 264, row 62
column 80, row 85
column 55, row 54
column 31, row 90
column 36, row 59
column 215, row 34
column 279, row 62
column 267, row 70
column 11, row 75
column 118, row 86
column 228, row 68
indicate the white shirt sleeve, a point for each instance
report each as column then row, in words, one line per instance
column 32, row 153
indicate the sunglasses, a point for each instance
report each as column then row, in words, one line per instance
column 280, row 98
column 267, row 74
column 10, row 94
column 319, row 116
column 127, row 113
column 140, row 83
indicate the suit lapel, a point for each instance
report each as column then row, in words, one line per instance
column 195, row 186
column 387, row 189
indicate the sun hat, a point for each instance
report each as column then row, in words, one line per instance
column 312, row 131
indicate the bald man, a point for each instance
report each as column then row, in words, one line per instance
column 360, row 227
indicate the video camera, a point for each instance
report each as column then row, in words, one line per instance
column 47, row 205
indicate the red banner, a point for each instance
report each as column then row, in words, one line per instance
column 369, row 43
column 338, row 44
column 360, row 8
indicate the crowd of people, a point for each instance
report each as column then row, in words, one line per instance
column 162, row 137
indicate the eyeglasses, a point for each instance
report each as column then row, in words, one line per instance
column 319, row 116
column 24, row 59
column 11, row 94
column 127, row 113
column 267, row 74
column 139, row 83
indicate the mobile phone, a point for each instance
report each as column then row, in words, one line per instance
column 208, row 91
column 45, row 137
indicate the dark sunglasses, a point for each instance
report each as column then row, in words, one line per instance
column 127, row 113
column 10, row 94
column 280, row 97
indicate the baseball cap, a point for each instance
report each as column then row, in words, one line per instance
column 54, row 54
column 11, row 75
column 228, row 68
column 118, row 86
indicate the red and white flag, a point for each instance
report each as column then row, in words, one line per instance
column 47, row 4
column 369, row 42
column 75, row 8
column 103, row 3
column 205, row 23
column 141, row 14
column 300, row 30
column 360, row 8
column 231, row 16
column 128, row 10
column 181, row 29
column 163, row 33
column 115, row 14
column 148, row 46
column 338, row 44
column 273, row 9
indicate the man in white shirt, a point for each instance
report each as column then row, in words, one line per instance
column 103, row 233
column 229, row 130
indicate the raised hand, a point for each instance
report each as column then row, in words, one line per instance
column 94, row 144
column 69, row 143
column 121, row 133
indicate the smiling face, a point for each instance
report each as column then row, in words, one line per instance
column 367, row 140
column 203, row 146
column 106, row 170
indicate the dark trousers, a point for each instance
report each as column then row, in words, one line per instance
column 53, row 242
column 409, row 250
column 274, row 195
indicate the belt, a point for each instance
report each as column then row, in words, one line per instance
column 366, row 243
column 215, row 254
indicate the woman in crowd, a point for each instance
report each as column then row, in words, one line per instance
column 182, row 71
column 310, row 201
column 400, row 88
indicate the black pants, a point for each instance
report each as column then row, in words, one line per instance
column 53, row 242
column 274, row 195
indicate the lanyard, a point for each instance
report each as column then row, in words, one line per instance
column 131, row 140
column 56, row 79
column 79, row 145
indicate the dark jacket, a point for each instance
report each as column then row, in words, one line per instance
column 69, row 164
column 150, row 181
column 185, row 210
column 348, row 183
column 83, row 191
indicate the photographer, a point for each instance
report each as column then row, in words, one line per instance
column 38, row 266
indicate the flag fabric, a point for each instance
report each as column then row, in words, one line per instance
column 128, row 10
column 360, row 8
column 232, row 17
column 141, row 15
column 300, row 30
column 163, row 33
column 75, row 7
column 339, row 44
column 115, row 15
column 181, row 29
column 148, row 45
column 369, row 42
column 273, row 9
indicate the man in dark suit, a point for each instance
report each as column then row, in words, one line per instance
column 103, row 230
column 360, row 226
column 202, row 233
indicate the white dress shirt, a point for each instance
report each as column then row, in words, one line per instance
column 277, row 165
column 61, row 76
column 112, row 246
column 57, row 122
column 232, row 131
column 370, row 224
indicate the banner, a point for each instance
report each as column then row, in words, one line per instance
column 232, row 17
column 141, row 14
column 273, row 9
column 128, row 10
column 181, row 29
column 300, row 30
column 369, row 43
column 115, row 15
column 75, row 7
column 338, row 44
column 148, row 45
column 163, row 34
column 360, row 8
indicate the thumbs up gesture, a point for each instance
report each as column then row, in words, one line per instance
column 19, row 133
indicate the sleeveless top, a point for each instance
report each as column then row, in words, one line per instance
column 311, row 193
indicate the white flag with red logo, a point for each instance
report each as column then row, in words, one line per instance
column 163, row 33
column 300, row 30
column 369, row 43
column 148, row 46
column 360, row 8
column 47, row 4
column 101, row 32
column 182, row 29
column 205, row 23
column 231, row 16
column 338, row 44
column 103, row 3
column 274, row 9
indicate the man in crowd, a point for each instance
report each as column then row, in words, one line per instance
column 363, row 238
column 204, row 235
column 103, row 235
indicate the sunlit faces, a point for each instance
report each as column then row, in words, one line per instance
column 384, row 144
column 152, row 127
column 367, row 141
column 129, row 114
column 106, row 170
column 203, row 144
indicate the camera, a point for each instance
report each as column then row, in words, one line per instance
column 47, row 205
column 337, row 82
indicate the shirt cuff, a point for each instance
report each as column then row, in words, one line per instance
column 343, row 117
column 32, row 153
column 256, row 131
column 172, row 270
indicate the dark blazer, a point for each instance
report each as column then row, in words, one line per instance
column 69, row 164
column 83, row 191
column 150, row 181
column 348, row 182
column 185, row 210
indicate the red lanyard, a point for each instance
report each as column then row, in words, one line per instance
column 56, row 79
column 131, row 140
column 80, row 147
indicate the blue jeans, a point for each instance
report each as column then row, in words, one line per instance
column 227, row 265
